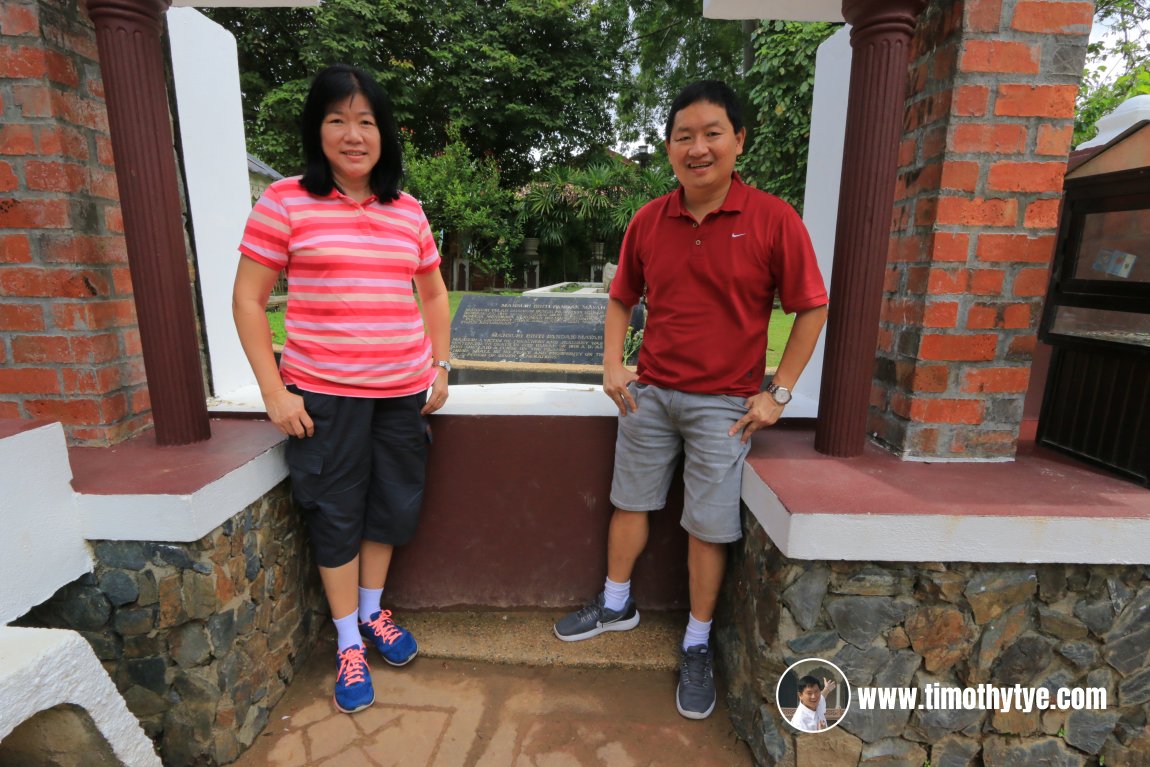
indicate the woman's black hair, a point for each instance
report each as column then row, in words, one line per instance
column 712, row 92
column 340, row 82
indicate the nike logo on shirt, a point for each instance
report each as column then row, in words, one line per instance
column 743, row 234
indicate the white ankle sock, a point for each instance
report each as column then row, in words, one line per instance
column 369, row 603
column 347, row 631
column 698, row 632
column 615, row 595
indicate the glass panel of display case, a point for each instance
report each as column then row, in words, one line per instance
column 1103, row 325
column 1115, row 246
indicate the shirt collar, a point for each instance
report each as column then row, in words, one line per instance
column 336, row 194
column 733, row 203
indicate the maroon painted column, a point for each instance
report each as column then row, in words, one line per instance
column 880, row 41
column 133, row 71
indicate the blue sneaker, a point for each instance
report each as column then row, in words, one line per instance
column 353, row 690
column 395, row 643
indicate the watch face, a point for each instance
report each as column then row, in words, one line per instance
column 781, row 394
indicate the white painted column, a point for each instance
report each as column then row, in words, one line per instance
column 206, row 72
column 43, row 546
column 821, row 199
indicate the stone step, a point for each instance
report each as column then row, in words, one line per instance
column 526, row 638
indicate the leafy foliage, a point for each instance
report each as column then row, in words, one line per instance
column 570, row 209
column 783, row 78
column 518, row 76
column 672, row 45
column 600, row 199
column 1117, row 68
column 462, row 198
column 632, row 342
column 545, row 212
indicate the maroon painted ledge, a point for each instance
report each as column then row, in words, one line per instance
column 1040, row 507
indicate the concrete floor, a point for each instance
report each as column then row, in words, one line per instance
column 498, row 690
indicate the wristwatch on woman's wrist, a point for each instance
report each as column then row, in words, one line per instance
column 443, row 364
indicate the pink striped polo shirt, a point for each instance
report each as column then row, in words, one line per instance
column 353, row 325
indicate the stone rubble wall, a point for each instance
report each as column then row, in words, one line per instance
column 201, row 638
column 956, row 624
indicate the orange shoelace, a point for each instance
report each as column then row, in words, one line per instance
column 384, row 627
column 352, row 665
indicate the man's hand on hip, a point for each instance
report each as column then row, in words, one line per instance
column 762, row 411
column 615, row 380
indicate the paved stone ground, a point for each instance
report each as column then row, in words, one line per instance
column 463, row 712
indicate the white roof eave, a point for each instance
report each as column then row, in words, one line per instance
column 783, row 10
column 245, row 3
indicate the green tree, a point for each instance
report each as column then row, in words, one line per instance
column 463, row 199
column 523, row 79
column 783, row 82
column 571, row 208
column 1116, row 68
column 671, row 45
column 280, row 49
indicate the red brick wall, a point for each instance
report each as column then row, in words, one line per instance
column 989, row 117
column 69, row 344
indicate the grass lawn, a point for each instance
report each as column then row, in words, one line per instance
column 455, row 296
column 276, row 323
column 780, row 328
column 777, row 334
column 276, row 315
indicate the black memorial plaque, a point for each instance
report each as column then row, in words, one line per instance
column 529, row 329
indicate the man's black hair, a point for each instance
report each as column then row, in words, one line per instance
column 337, row 83
column 713, row 92
column 809, row 681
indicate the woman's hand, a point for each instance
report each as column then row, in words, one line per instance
column 438, row 396
column 287, row 412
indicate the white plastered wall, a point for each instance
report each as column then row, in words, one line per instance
column 205, row 68
column 44, row 668
column 43, row 546
column 821, row 199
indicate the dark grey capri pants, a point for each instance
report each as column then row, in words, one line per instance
column 361, row 475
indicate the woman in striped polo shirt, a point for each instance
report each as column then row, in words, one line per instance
column 361, row 368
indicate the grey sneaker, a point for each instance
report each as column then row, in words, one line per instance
column 695, row 696
column 594, row 619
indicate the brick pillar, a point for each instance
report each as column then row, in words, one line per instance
column 987, row 132
column 69, row 344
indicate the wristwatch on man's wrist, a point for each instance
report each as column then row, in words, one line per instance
column 443, row 364
column 780, row 394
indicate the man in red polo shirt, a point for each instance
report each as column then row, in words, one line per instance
column 710, row 258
